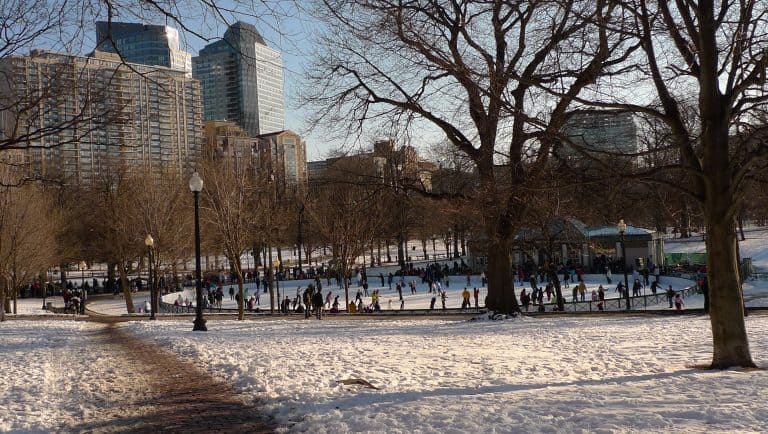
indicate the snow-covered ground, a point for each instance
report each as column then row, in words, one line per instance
column 56, row 375
column 557, row 374
column 754, row 246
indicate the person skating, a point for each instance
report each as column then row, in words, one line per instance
column 317, row 302
column 679, row 303
column 670, row 295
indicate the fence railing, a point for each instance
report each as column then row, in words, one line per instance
column 636, row 302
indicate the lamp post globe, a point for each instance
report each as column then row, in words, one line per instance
column 196, row 186
column 622, row 228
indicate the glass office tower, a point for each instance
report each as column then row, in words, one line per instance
column 242, row 81
column 144, row 44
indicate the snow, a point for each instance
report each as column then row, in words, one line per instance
column 754, row 246
column 34, row 306
column 540, row 375
column 57, row 375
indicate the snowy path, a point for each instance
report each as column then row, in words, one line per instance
column 78, row 376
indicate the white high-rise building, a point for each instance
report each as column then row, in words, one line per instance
column 269, row 89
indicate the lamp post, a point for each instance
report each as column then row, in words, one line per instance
column 276, row 266
column 196, row 186
column 82, row 266
column 150, row 242
column 622, row 227
column 45, row 287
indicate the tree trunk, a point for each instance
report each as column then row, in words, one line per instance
column 729, row 334
column 501, row 287
column 2, row 304
column 347, row 274
column 373, row 258
column 401, row 251
column 456, row 242
column 125, row 285
column 241, row 288
column 270, row 278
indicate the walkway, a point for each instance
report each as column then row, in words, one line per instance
column 194, row 403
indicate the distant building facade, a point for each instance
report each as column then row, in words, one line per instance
column 284, row 155
column 144, row 44
column 225, row 140
column 397, row 167
column 280, row 157
column 242, row 81
column 604, row 134
column 83, row 116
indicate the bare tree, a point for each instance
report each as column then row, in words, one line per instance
column 346, row 214
column 473, row 71
column 229, row 208
column 709, row 57
column 28, row 229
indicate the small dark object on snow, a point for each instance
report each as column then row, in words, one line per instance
column 358, row 381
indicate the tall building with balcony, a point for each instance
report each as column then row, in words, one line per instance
column 242, row 81
column 78, row 118
column 144, row 44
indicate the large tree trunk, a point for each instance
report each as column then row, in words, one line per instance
column 347, row 275
column 455, row 242
column 729, row 334
column 3, row 298
column 238, row 266
column 501, row 288
column 270, row 278
column 125, row 285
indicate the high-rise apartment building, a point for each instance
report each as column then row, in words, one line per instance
column 145, row 44
column 242, row 81
column 605, row 134
column 80, row 117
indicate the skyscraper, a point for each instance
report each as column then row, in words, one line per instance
column 80, row 117
column 144, row 44
column 242, row 81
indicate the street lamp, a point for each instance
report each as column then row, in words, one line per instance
column 622, row 227
column 82, row 266
column 45, row 287
column 196, row 186
column 150, row 242
column 276, row 265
